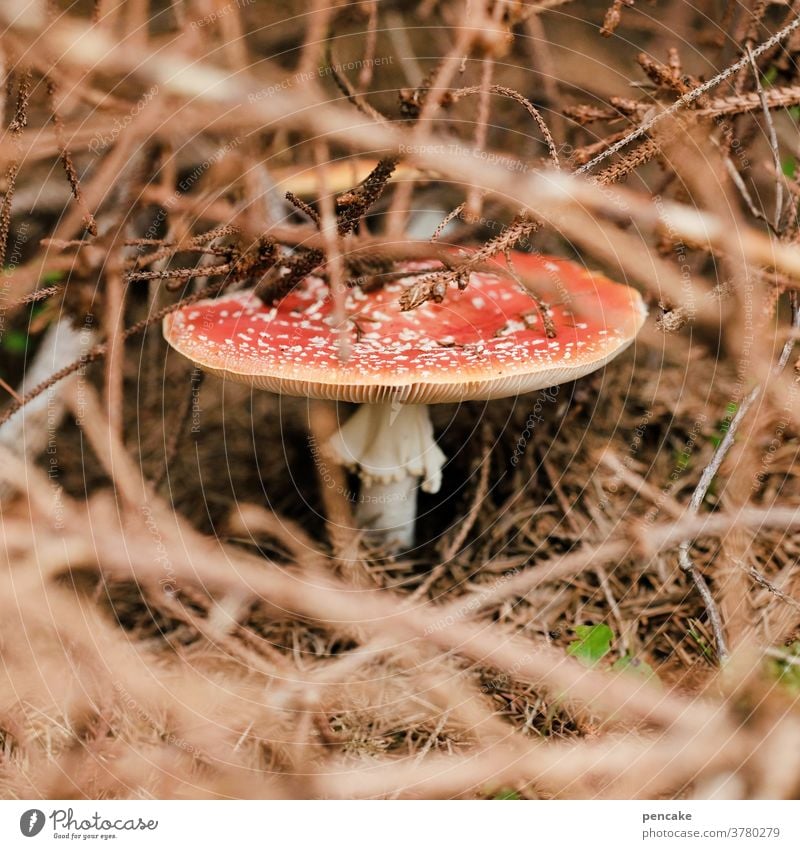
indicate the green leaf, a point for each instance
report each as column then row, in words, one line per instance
column 635, row 665
column 51, row 277
column 770, row 75
column 593, row 643
column 789, row 167
column 15, row 342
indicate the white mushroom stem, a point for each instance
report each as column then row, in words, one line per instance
column 389, row 510
column 32, row 430
column 393, row 449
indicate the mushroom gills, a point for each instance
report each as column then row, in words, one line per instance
column 392, row 448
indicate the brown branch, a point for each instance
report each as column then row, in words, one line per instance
column 693, row 95
column 505, row 91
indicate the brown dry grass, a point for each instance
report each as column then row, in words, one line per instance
column 186, row 610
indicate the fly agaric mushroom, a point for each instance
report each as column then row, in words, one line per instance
column 490, row 340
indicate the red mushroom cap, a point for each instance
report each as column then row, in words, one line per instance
column 487, row 341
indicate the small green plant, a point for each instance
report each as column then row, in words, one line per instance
column 51, row 277
column 724, row 424
column 769, row 76
column 681, row 459
column 629, row 663
column 707, row 650
column 786, row 670
column 15, row 342
column 592, row 645
column 506, row 794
